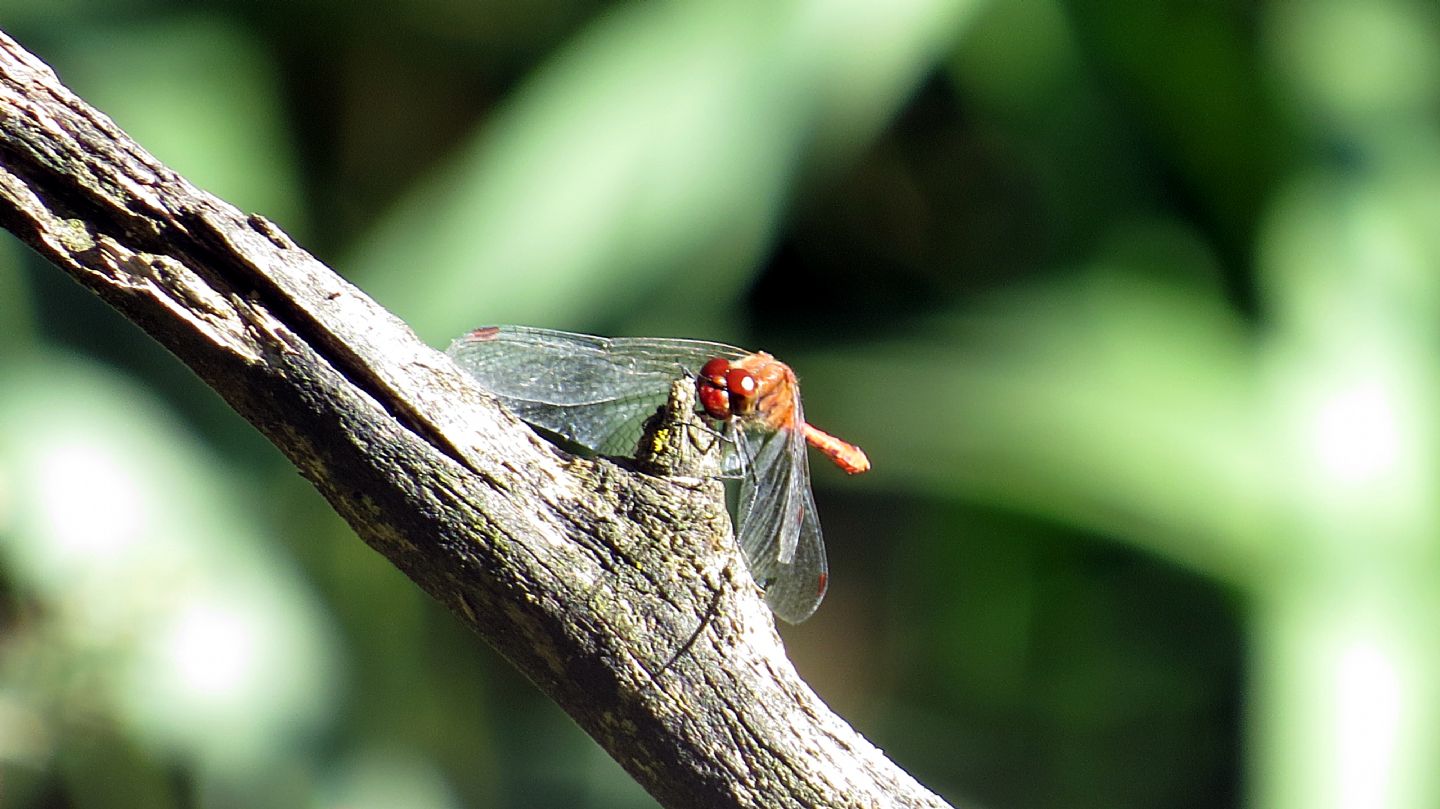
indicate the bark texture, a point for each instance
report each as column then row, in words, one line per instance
column 620, row 594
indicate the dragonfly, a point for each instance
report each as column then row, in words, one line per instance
column 597, row 392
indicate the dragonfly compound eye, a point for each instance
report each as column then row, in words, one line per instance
column 742, row 388
column 711, row 388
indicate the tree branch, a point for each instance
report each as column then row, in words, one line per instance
column 621, row 595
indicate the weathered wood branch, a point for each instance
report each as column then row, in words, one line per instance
column 620, row 594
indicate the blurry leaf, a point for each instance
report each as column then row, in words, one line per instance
column 1357, row 70
column 1186, row 75
column 377, row 779
column 1117, row 401
column 105, row 770
column 1346, row 244
column 17, row 317
column 56, row 15
column 158, row 602
column 1349, row 266
column 202, row 96
column 656, row 153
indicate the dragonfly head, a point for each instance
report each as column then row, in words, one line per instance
column 725, row 390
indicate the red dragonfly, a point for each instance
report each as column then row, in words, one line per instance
column 598, row 391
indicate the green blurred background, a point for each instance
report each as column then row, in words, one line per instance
column 1132, row 304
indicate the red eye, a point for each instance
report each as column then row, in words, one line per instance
column 711, row 388
column 714, row 371
column 742, row 388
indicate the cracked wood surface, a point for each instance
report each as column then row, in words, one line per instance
column 620, row 594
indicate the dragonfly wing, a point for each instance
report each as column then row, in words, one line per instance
column 763, row 514
column 594, row 391
column 609, row 427
column 778, row 530
column 597, row 392
column 798, row 587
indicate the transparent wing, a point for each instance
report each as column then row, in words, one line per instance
column 597, row 392
column 777, row 524
column 798, row 587
column 594, row 391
